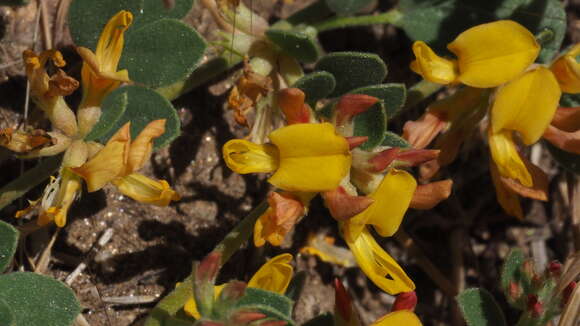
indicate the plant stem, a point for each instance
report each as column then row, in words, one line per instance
column 165, row 311
column 234, row 240
column 392, row 16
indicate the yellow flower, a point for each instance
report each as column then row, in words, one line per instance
column 99, row 73
column 484, row 58
column 58, row 197
column 274, row 276
column 567, row 70
column 304, row 157
column 396, row 318
column 118, row 161
column 391, row 200
column 377, row 264
column 527, row 105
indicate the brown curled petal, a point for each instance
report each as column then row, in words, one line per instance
column 429, row 195
column 568, row 141
column 567, row 119
column 350, row 105
column 538, row 191
column 421, row 133
column 343, row 206
column 287, row 209
column 507, row 199
column 60, row 84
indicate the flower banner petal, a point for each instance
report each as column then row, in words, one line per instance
column 313, row 157
column 494, row 53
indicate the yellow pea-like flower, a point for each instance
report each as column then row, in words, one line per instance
column 99, row 72
column 307, row 157
column 391, row 200
column 484, row 58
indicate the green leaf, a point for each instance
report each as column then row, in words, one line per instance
column 394, row 140
column 300, row 44
column 30, row 179
column 6, row 315
column 113, row 108
column 347, row 7
column 392, row 95
column 373, row 124
column 326, row 319
column 143, row 106
column 162, row 52
column 567, row 160
column 38, row 300
column 510, row 271
column 353, row 70
column 275, row 301
column 438, row 22
column 8, row 243
column 316, row 85
column 87, row 18
column 479, row 308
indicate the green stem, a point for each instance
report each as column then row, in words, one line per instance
column 421, row 91
column 236, row 238
column 164, row 313
column 392, row 16
column 28, row 180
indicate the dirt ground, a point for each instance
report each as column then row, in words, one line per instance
column 152, row 248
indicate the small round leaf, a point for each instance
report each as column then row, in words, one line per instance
column 38, row 300
column 479, row 308
column 113, row 108
column 353, row 69
column 373, row 124
column 316, row 85
column 6, row 315
column 8, row 243
column 295, row 43
column 143, row 106
column 87, row 18
column 162, row 52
